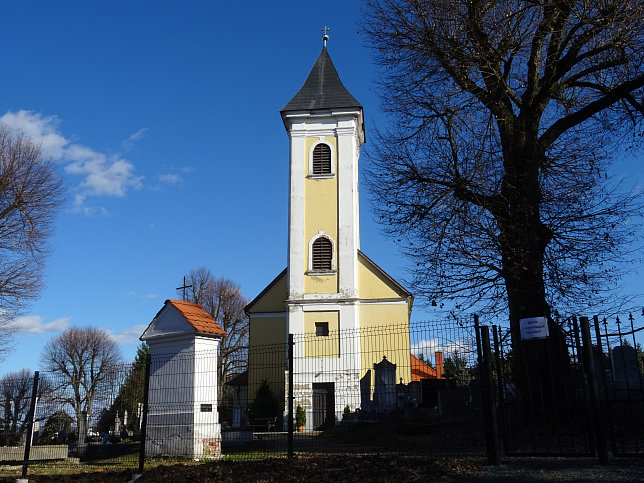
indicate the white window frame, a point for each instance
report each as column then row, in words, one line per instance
column 332, row 149
column 321, row 234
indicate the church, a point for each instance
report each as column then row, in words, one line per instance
column 335, row 300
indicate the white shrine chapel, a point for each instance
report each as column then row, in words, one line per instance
column 182, row 397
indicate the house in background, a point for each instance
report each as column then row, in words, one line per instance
column 421, row 370
column 334, row 299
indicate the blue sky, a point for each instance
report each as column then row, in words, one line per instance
column 164, row 120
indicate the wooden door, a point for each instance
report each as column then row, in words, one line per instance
column 323, row 405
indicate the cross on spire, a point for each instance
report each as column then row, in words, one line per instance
column 184, row 288
column 325, row 35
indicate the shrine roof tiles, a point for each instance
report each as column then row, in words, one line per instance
column 196, row 316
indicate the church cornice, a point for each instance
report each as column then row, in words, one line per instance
column 325, row 123
column 333, row 299
column 307, row 302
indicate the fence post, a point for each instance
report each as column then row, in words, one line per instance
column 291, row 345
column 489, row 409
column 144, row 414
column 602, row 369
column 500, row 380
column 637, row 359
column 576, row 340
column 478, row 341
column 30, row 425
column 598, row 414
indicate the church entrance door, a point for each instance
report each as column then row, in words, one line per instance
column 323, row 405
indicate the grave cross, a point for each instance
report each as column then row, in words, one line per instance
column 184, row 288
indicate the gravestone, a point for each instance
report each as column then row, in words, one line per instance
column 139, row 418
column 117, row 425
column 365, row 391
column 625, row 368
column 384, row 394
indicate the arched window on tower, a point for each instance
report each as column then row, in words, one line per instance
column 322, row 255
column 321, row 160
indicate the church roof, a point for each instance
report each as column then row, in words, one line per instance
column 388, row 279
column 322, row 89
column 196, row 316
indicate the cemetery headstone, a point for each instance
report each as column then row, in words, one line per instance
column 625, row 367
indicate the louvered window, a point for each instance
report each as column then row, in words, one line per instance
column 322, row 254
column 321, row 159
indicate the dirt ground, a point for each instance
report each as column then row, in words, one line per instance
column 376, row 468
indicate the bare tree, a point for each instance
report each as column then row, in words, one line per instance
column 223, row 300
column 15, row 391
column 15, row 399
column 505, row 119
column 83, row 362
column 130, row 393
column 30, row 195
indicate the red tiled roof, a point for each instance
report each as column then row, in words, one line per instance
column 197, row 317
column 420, row 370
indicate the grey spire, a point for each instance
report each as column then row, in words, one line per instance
column 322, row 89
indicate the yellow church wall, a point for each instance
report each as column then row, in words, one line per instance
column 384, row 331
column 272, row 300
column 322, row 346
column 266, row 355
column 321, row 283
column 321, row 208
column 373, row 284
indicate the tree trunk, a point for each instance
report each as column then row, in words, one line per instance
column 541, row 364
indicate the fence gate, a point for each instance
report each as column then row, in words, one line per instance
column 582, row 397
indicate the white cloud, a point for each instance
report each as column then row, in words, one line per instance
column 428, row 347
column 42, row 129
column 170, row 179
column 134, row 137
column 102, row 175
column 129, row 335
column 34, row 324
column 144, row 296
column 79, row 206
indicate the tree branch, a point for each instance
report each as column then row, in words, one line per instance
column 562, row 125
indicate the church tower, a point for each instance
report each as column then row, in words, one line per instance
column 326, row 129
column 341, row 308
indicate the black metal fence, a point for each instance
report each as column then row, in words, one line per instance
column 75, row 419
column 401, row 389
column 426, row 388
column 182, row 406
column 379, row 389
column 580, row 396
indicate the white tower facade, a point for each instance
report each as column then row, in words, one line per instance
column 326, row 129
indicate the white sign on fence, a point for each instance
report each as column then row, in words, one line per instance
column 534, row 328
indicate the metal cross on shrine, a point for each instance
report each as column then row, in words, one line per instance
column 325, row 36
column 184, row 288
